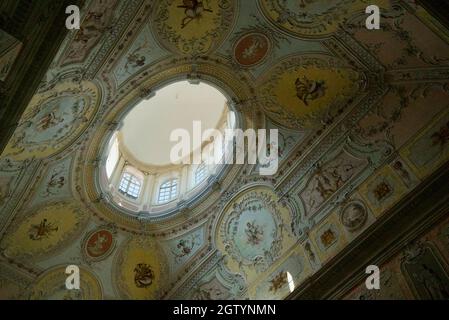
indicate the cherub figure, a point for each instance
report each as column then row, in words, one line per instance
column 307, row 90
column 254, row 233
column 256, row 45
column 48, row 121
column 193, row 10
column 136, row 59
column 54, row 183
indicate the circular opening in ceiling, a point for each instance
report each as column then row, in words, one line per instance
column 147, row 127
column 141, row 173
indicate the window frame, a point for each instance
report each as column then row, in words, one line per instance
column 200, row 173
column 130, row 185
column 167, row 191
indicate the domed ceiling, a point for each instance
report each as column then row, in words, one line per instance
column 147, row 127
column 362, row 117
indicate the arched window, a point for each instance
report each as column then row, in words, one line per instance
column 112, row 159
column 130, row 185
column 168, row 191
column 200, row 173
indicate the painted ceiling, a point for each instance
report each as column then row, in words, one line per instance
column 374, row 128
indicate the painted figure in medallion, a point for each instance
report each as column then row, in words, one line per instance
column 441, row 137
column 47, row 121
column 257, row 43
column 278, row 281
column 327, row 237
column 184, row 247
column 307, row 90
column 143, row 275
column 382, row 190
column 136, row 58
column 99, row 243
column 42, row 230
column 254, row 233
column 353, row 216
column 56, row 182
column 193, row 10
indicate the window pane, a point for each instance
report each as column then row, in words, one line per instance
column 112, row 159
column 200, row 173
column 130, row 185
column 168, row 191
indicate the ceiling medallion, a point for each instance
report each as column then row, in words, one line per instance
column 354, row 216
column 252, row 49
column 99, row 243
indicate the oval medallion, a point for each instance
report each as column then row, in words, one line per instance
column 251, row 49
